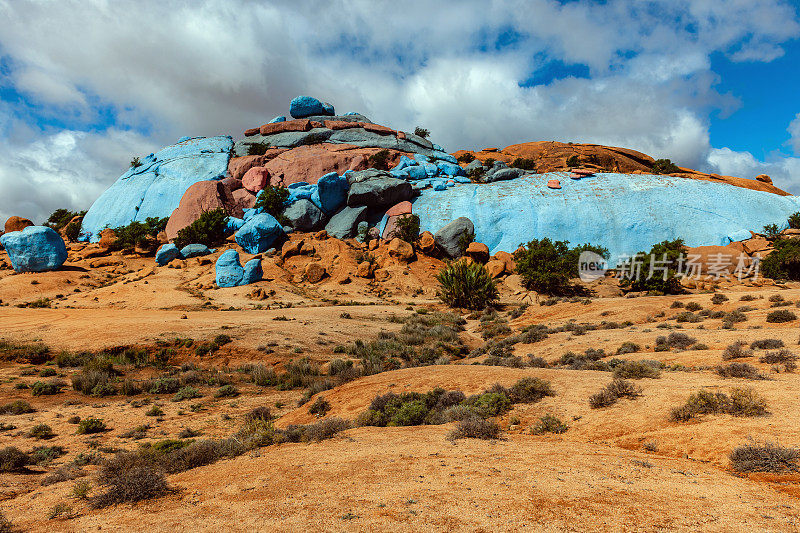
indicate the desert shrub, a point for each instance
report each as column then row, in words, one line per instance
column 466, row 157
column 467, row 285
column 130, row 388
column 208, row 229
column 618, row 388
column 656, row 284
column 548, row 266
column 794, row 220
column 41, row 431
column 12, row 459
column 676, row 304
column 781, row 315
column 227, row 391
column 60, row 218
column 47, row 372
column 91, row 425
column 628, row 347
column 186, row 393
column 129, row 477
column 734, row 316
column 257, row 148
column 475, row 428
column 259, row 413
column 523, row 163
column 407, row 228
column 664, row 166
column 784, row 261
column 320, row 407
column 42, row 388
column 693, row 306
column 46, row 454
column 379, row 160
column 138, row 233
column 739, row 370
column 530, row 390
column 17, row 407
column 421, row 132
column 718, row 299
column 573, row 161
column 764, row 457
column 736, row 351
column 163, row 385
column 549, row 424
column 325, row 429
column 781, row 356
column 766, row 344
column 679, row 340
column 687, row 316
column 263, row 376
column 741, row 402
column 94, row 381
column 636, row 370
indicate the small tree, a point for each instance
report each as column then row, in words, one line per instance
column 421, row 132
column 379, row 160
column 667, row 254
column 523, row 163
column 664, row 166
column 784, row 261
column 548, row 266
column 257, row 148
column 467, row 157
column 469, row 285
column 572, row 161
column 135, row 163
column 794, row 221
column 273, row 201
column 407, row 228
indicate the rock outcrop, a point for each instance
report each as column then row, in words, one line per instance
column 198, row 198
column 35, row 249
column 16, row 224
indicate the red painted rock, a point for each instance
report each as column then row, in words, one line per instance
column 289, row 125
column 239, row 165
column 251, row 132
column 477, row 251
column 377, row 128
column 340, row 124
column 244, row 198
column 403, row 208
column 17, row 224
column 391, row 228
column 311, row 162
column 427, row 243
column 255, row 179
column 554, row 184
column 583, row 172
column 200, row 197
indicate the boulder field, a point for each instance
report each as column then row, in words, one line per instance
column 346, row 174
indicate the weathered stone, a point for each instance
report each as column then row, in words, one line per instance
column 495, row 268
column 379, row 192
column 427, row 243
column 365, row 269
column 201, row 197
column 303, row 215
column 477, row 251
column 229, row 271
column 381, row 274
column 314, row 272
column 343, row 224
column 17, row 224
column 255, row 179
column 259, row 233
column 451, row 237
column 401, row 250
column 34, row 249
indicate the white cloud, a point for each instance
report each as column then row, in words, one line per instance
column 794, row 132
column 784, row 171
column 172, row 68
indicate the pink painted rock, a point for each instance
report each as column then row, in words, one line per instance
column 200, row 197
column 391, row 227
column 239, row 165
column 289, row 125
column 244, row 198
column 255, row 179
column 583, row 172
column 554, row 184
column 311, row 162
column 403, row 208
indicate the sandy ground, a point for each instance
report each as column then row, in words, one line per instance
column 598, row 476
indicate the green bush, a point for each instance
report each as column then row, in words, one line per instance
column 17, row 407
column 618, row 388
column 784, row 261
column 765, row 457
column 137, row 233
column 130, row 477
column 466, row 157
column 475, row 428
column 411, row 413
column 523, row 163
column 186, row 393
column 657, row 284
column 379, row 160
column 794, row 220
column 489, row 403
column 741, row 402
column 41, row 388
column 59, row 219
column 467, row 285
column 91, row 425
column 12, row 459
column 407, row 228
column 573, row 161
column 320, row 407
column 41, row 431
column 664, row 166
column 257, row 148
column 636, row 370
column 530, row 390
column 548, row 266
column 227, row 391
column 421, row 132
column 208, row 229
column 549, row 424
column 772, row 231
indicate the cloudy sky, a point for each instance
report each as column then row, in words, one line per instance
column 85, row 85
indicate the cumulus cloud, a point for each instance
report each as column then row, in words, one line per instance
column 794, row 131
column 171, row 68
column 784, row 171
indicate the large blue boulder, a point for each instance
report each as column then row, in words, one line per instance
column 344, row 223
column 259, row 233
column 195, row 250
column 332, row 191
column 167, row 253
column 252, row 272
column 622, row 212
column 229, row 271
column 306, row 106
column 155, row 187
column 35, row 249
column 304, row 215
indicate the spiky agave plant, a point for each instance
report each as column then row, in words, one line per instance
column 464, row 284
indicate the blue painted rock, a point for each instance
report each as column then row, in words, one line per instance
column 259, row 233
column 229, row 272
column 195, row 250
column 303, row 215
column 306, row 106
column 626, row 213
column 35, row 249
column 167, row 253
column 344, row 223
column 332, row 191
column 379, row 192
column 279, row 118
column 451, row 237
column 252, row 272
column 155, row 188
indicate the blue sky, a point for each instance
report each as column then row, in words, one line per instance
column 85, row 85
